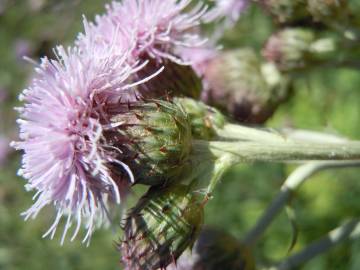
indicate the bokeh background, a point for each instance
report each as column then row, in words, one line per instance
column 325, row 100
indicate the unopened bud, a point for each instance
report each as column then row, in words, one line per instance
column 297, row 48
column 243, row 87
column 160, row 227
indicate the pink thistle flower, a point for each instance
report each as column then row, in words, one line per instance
column 66, row 159
column 159, row 27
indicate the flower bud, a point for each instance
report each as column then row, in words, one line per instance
column 297, row 48
column 160, row 227
column 285, row 11
column 327, row 9
column 205, row 120
column 243, row 87
column 216, row 249
column 153, row 139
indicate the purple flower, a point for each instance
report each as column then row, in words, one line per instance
column 159, row 27
column 66, row 159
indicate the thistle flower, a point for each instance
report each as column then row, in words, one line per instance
column 215, row 249
column 67, row 159
column 153, row 31
column 159, row 27
column 160, row 227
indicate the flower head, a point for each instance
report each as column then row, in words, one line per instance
column 159, row 27
column 65, row 157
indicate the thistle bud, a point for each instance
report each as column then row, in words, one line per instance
column 241, row 85
column 205, row 120
column 216, row 249
column 297, row 48
column 153, row 139
column 327, row 9
column 285, row 11
column 160, row 227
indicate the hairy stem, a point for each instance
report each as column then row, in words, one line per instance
column 282, row 150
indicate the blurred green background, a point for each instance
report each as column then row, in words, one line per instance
column 325, row 100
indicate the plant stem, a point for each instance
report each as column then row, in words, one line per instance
column 244, row 133
column 220, row 167
column 312, row 136
column 282, row 150
column 298, row 177
column 348, row 231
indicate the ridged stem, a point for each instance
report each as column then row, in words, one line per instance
column 280, row 150
column 240, row 132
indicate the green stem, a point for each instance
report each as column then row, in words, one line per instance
column 348, row 231
column 281, row 150
column 292, row 183
column 240, row 132
column 220, row 167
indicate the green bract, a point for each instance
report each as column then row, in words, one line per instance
column 205, row 120
column 160, row 227
column 154, row 139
